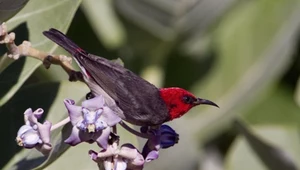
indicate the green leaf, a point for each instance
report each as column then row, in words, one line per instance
column 251, row 56
column 276, row 107
column 270, row 147
column 297, row 94
column 48, row 96
column 9, row 8
column 104, row 22
column 156, row 29
column 166, row 20
column 29, row 24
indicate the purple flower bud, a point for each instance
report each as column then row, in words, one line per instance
column 168, row 137
column 28, row 137
column 164, row 137
column 34, row 134
column 91, row 121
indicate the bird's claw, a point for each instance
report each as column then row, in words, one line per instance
column 89, row 95
column 75, row 76
column 47, row 61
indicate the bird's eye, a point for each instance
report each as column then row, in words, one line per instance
column 188, row 99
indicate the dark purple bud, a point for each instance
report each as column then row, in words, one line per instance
column 164, row 137
column 168, row 137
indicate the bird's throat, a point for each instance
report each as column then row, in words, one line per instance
column 177, row 110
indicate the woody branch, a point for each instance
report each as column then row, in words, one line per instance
column 25, row 49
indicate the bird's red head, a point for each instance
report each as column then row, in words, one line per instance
column 180, row 101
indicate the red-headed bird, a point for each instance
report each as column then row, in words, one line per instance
column 133, row 99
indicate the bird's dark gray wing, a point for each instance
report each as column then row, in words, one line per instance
column 139, row 100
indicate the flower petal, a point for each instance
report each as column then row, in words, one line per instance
column 109, row 116
column 167, row 129
column 120, row 164
column 38, row 113
column 74, row 138
column 151, row 146
column 75, row 113
column 107, row 163
column 102, row 140
column 44, row 148
column 154, row 143
column 33, row 117
column 135, row 159
column 44, row 131
column 137, row 163
column 29, row 139
column 30, row 118
column 108, row 152
column 94, row 103
column 26, row 115
column 23, row 129
column 94, row 156
column 152, row 156
column 128, row 151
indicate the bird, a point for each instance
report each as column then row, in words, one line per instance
column 131, row 97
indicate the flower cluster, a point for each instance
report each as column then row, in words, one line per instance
column 93, row 122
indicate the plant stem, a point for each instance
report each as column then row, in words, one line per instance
column 61, row 123
column 25, row 49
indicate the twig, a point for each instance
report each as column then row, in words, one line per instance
column 25, row 49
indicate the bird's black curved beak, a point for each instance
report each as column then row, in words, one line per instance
column 204, row 101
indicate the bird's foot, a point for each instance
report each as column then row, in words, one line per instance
column 47, row 61
column 75, row 76
column 89, row 95
column 149, row 129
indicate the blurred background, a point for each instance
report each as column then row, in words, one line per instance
column 241, row 54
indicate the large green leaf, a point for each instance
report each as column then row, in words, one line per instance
column 156, row 29
column 104, row 22
column 168, row 19
column 8, row 8
column 29, row 24
column 251, row 56
column 48, row 96
column 270, row 147
column 276, row 107
column 297, row 94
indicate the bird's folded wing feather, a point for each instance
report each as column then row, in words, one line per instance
column 136, row 97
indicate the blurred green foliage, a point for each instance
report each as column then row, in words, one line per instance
column 241, row 54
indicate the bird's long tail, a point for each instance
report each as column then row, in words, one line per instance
column 63, row 41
